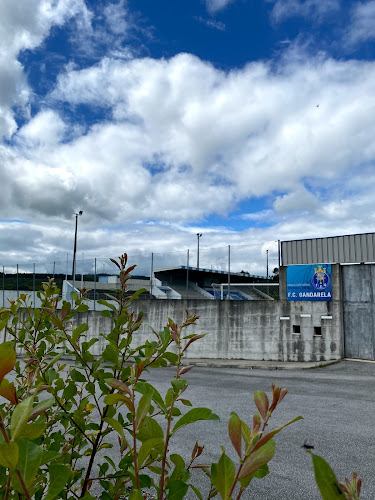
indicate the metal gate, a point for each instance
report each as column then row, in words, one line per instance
column 358, row 294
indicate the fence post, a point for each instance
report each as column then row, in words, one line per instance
column 151, row 273
column 187, row 275
column 95, row 284
column 228, row 272
column 34, row 285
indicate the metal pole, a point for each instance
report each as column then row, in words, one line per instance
column 17, row 282
column 151, row 273
column 228, row 272
column 74, row 252
column 198, row 236
column 3, row 287
column 187, row 275
column 66, row 274
column 54, row 266
column 279, row 252
column 267, row 261
column 95, row 284
column 82, row 270
column 34, row 285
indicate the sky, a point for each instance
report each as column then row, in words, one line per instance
column 248, row 121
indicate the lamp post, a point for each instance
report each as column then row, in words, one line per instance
column 198, row 236
column 75, row 248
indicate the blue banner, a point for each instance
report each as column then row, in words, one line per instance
column 309, row 282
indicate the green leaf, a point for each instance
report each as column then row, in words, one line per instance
column 9, row 455
column 77, row 332
column 149, row 430
column 41, row 407
column 29, row 460
column 185, row 402
column 21, row 415
column 145, row 387
column 196, row 491
column 34, row 430
column 225, row 475
column 70, row 391
column 77, row 376
column 194, row 415
column 107, row 304
column 53, row 361
column 258, row 459
column 325, row 479
column 58, row 477
column 82, row 308
column 177, row 489
column 7, row 358
column 180, row 467
column 171, row 357
column 49, row 456
column 234, row 430
column 135, row 494
column 115, row 424
column 113, row 399
column 110, row 354
column 260, row 473
column 178, row 384
column 142, row 410
column 148, row 446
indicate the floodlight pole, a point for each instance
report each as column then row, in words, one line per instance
column 75, row 249
column 199, row 235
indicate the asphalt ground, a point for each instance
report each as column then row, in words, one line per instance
column 337, row 406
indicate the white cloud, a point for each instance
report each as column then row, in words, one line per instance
column 211, row 23
column 24, row 25
column 216, row 5
column 362, row 23
column 312, row 9
column 184, row 140
column 300, row 200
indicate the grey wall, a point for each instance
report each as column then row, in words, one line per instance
column 243, row 329
column 359, row 310
column 337, row 249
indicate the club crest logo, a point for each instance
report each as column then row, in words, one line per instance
column 320, row 279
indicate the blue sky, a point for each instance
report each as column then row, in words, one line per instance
column 247, row 120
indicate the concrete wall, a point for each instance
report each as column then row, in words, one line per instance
column 251, row 330
column 359, row 310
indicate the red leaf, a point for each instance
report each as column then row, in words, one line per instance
column 7, row 358
column 193, row 339
column 234, row 430
column 8, row 391
column 261, row 401
column 117, row 384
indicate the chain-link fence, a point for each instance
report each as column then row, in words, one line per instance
column 227, row 272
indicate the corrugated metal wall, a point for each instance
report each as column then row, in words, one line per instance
column 350, row 249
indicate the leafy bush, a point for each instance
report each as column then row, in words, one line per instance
column 60, row 415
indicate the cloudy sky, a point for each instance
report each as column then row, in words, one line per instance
column 246, row 120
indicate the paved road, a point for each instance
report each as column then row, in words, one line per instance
column 337, row 403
